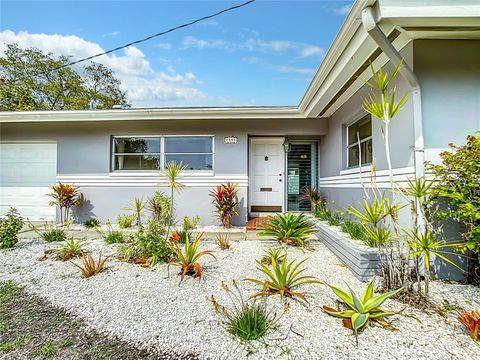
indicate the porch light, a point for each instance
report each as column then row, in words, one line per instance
column 286, row 146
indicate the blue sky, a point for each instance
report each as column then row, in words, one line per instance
column 263, row 54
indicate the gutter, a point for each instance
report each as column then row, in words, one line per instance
column 370, row 23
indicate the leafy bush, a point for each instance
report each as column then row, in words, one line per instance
column 457, row 181
column 361, row 310
column 126, row 221
column 90, row 266
column 246, row 320
column 160, row 207
column 291, row 229
column 225, row 200
column 283, row 279
column 91, row 223
column 187, row 259
column 71, row 248
column 471, row 321
column 10, row 226
column 187, row 226
column 65, row 197
column 112, row 236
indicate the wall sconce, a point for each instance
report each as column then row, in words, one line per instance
column 286, row 146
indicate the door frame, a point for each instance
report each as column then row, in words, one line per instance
column 281, row 140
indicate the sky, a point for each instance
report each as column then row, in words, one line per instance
column 260, row 55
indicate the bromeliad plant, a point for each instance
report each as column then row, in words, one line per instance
column 72, row 248
column 290, row 229
column 90, row 266
column 65, row 197
column 471, row 321
column 187, row 259
column 283, row 278
column 361, row 310
column 225, row 199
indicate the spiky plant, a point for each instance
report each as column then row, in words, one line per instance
column 291, row 229
column 90, row 266
column 70, row 249
column 471, row 321
column 223, row 242
column 187, row 259
column 361, row 310
column 371, row 212
column 137, row 206
column 312, row 196
column 283, row 279
column 172, row 173
column 91, row 223
column 160, row 207
column 111, row 236
column 273, row 253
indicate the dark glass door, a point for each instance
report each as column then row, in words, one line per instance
column 301, row 172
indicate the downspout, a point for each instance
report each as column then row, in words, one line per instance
column 370, row 24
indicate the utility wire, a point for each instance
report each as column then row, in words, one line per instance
column 146, row 39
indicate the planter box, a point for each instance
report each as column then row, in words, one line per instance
column 362, row 261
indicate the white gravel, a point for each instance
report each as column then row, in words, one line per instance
column 147, row 308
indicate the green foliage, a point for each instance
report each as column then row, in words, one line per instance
column 126, row 221
column 137, row 206
column 247, row 320
column 354, row 229
column 361, row 310
column 312, row 196
column 376, row 236
column 71, row 248
column 112, row 236
column 291, row 229
column 91, row 223
column 10, row 225
column 160, row 207
column 65, row 196
column 187, row 226
column 457, row 182
column 225, row 199
column 277, row 253
column 283, row 279
column 373, row 212
column 30, row 84
column 50, row 232
column 173, row 174
column 187, row 258
column 335, row 219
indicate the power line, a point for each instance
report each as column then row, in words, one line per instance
column 147, row 38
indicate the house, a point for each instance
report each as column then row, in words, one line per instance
column 271, row 152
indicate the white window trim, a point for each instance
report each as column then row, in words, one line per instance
column 348, row 147
column 162, row 155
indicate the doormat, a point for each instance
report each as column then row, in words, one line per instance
column 258, row 223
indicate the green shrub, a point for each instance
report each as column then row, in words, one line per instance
column 126, row 221
column 335, row 219
column 53, row 234
column 112, row 236
column 10, row 226
column 91, row 223
column 291, row 229
column 187, row 226
column 159, row 206
column 354, row 229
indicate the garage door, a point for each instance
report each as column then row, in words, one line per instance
column 27, row 170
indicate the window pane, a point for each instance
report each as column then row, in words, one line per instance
column 367, row 152
column 137, row 162
column 193, row 162
column 137, row 145
column 353, row 156
column 188, row 144
column 363, row 127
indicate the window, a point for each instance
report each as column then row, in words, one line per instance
column 145, row 153
column 362, row 130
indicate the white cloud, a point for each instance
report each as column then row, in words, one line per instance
column 342, row 10
column 278, row 68
column 144, row 85
column 111, row 34
column 255, row 44
column 164, row 46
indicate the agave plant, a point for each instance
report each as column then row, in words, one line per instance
column 361, row 310
column 283, row 279
column 187, row 259
column 291, row 229
column 471, row 321
column 90, row 266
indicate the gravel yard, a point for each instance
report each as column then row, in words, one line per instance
column 149, row 310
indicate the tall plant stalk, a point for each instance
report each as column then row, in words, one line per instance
column 172, row 173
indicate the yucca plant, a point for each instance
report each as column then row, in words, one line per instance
column 273, row 253
column 291, row 229
column 361, row 310
column 225, row 199
column 65, row 197
column 223, row 242
column 172, row 173
column 246, row 319
column 187, row 259
column 72, row 248
column 471, row 321
column 283, row 279
column 312, row 196
column 137, row 206
column 90, row 266
column 425, row 244
column 371, row 212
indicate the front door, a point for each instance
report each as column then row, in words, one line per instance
column 266, row 174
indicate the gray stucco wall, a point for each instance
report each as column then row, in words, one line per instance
column 83, row 150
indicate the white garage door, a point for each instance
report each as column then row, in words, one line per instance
column 27, row 170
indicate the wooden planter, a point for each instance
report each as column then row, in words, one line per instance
column 362, row 261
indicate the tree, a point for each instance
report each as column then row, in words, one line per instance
column 29, row 82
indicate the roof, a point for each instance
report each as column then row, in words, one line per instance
column 337, row 78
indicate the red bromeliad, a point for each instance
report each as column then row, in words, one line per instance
column 225, row 200
column 471, row 320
